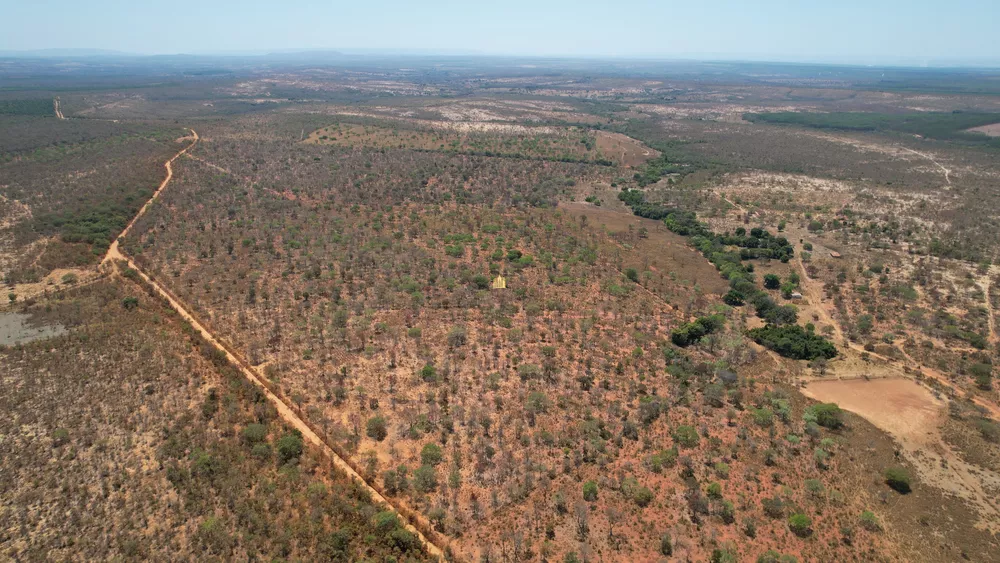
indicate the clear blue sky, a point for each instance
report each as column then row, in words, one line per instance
column 863, row 31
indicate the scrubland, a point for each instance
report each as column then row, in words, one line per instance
column 689, row 291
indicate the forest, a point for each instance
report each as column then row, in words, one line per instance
column 950, row 126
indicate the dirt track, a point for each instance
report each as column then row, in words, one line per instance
column 947, row 172
column 114, row 259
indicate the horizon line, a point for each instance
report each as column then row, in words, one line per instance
column 377, row 52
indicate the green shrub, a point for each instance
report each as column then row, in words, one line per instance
column 60, row 437
column 898, row 479
column 763, row 417
column 734, row 298
column 722, row 470
column 666, row 544
column 800, row 524
column 724, row 554
column 714, row 490
column 385, row 521
column 428, row 373
column 254, row 433
column 694, row 331
column 815, row 487
column 642, row 496
column 376, row 428
column 989, row 430
column 261, row 451
column 403, row 540
column 773, row 507
column 431, row 454
column 870, row 522
column 686, row 436
column 793, row 341
column 661, row 459
column 827, row 415
column 290, row 447
column 425, row 479
column 590, row 491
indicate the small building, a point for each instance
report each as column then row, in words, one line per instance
column 500, row 283
column 834, row 254
column 796, row 295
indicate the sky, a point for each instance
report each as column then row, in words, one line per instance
column 849, row 31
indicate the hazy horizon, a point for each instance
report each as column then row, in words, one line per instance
column 884, row 32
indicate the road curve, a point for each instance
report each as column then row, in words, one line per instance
column 115, row 259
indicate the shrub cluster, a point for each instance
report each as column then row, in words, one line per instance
column 793, row 341
column 694, row 331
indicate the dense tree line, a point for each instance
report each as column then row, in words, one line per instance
column 935, row 125
column 42, row 106
column 793, row 341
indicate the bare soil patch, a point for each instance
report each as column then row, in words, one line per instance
column 914, row 416
column 900, row 406
column 993, row 130
column 624, row 149
column 16, row 328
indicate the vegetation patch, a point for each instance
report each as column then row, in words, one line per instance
column 935, row 125
column 793, row 341
column 27, row 107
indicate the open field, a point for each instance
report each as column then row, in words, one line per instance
column 993, row 130
column 543, row 143
column 744, row 309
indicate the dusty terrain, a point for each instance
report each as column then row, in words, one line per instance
column 327, row 242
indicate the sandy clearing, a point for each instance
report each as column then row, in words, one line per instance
column 624, row 149
column 913, row 416
column 993, row 130
column 901, row 407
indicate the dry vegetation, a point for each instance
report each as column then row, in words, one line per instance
column 342, row 232
column 187, row 461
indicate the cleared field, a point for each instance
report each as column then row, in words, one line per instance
column 657, row 250
column 624, row 149
column 901, row 407
column 993, row 130
column 566, row 144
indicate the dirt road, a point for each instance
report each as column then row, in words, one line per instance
column 947, row 173
column 985, row 282
column 55, row 105
column 113, row 252
column 115, row 259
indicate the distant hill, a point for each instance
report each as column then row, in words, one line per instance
column 66, row 53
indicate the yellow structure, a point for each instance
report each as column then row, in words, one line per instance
column 499, row 283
